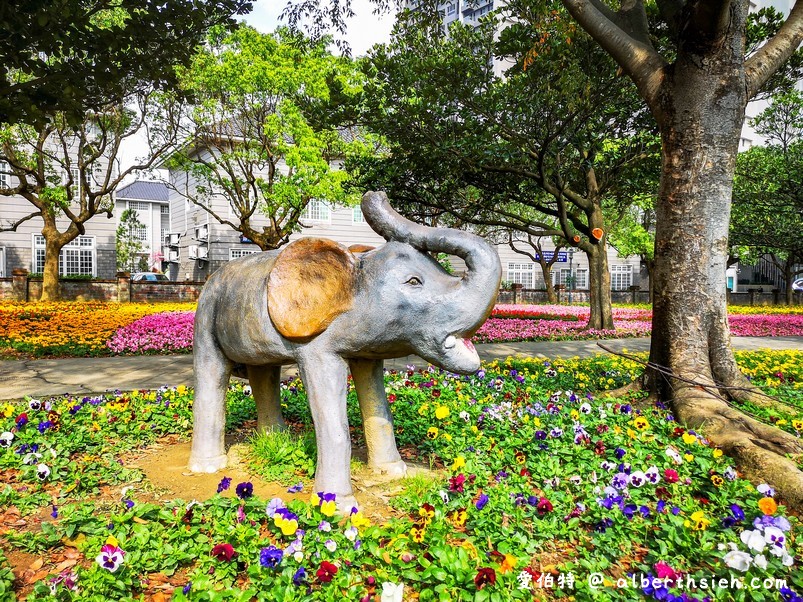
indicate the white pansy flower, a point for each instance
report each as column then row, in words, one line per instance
column 738, row 560
column 392, row 592
column 754, row 540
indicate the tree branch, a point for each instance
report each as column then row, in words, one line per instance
column 769, row 58
column 639, row 60
column 13, row 227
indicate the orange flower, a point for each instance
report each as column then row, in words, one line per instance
column 508, row 564
column 767, row 505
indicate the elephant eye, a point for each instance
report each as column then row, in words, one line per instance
column 413, row 281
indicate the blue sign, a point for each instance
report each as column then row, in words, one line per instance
column 548, row 255
column 245, row 240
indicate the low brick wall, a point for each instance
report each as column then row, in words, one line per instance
column 538, row 297
column 774, row 297
column 123, row 290
column 155, row 292
column 78, row 290
column 6, row 289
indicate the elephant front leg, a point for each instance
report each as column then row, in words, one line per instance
column 325, row 378
column 212, row 373
column 369, row 381
column 267, row 395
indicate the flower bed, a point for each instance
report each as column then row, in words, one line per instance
column 96, row 328
column 522, row 323
column 163, row 332
column 546, row 489
column 69, row 328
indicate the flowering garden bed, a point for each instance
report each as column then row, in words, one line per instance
column 86, row 329
column 547, row 490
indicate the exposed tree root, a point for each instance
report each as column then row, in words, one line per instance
column 637, row 386
column 760, row 451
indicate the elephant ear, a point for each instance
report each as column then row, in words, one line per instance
column 311, row 283
column 360, row 248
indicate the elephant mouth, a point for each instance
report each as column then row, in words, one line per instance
column 461, row 349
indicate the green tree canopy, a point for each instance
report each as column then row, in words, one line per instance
column 257, row 149
column 540, row 149
column 75, row 55
column 767, row 214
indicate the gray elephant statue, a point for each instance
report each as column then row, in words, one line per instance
column 331, row 309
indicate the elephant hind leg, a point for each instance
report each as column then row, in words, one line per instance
column 212, row 373
column 267, row 395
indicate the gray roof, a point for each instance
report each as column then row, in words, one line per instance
column 143, row 190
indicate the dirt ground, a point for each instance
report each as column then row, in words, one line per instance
column 165, row 466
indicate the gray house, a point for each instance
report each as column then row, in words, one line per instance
column 92, row 253
column 151, row 203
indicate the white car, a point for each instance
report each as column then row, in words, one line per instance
column 150, row 277
column 797, row 285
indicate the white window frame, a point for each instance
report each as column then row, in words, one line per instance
column 521, row 273
column 239, row 252
column 5, row 178
column 318, row 212
column 581, row 278
column 2, row 262
column 356, row 215
column 76, row 183
column 80, row 252
column 620, row 273
column 450, row 8
column 143, row 211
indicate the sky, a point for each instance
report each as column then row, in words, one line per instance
column 364, row 29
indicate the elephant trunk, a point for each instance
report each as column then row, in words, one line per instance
column 481, row 283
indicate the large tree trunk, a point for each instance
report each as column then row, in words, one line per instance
column 599, row 288
column 551, row 295
column 690, row 335
column 50, row 275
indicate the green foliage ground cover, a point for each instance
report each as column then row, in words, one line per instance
column 550, row 489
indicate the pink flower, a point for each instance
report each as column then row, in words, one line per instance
column 664, row 571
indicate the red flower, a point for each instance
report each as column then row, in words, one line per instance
column 456, row 483
column 485, row 576
column 662, row 493
column 326, row 572
column 671, row 475
column 544, row 506
column 436, row 393
column 391, row 398
column 224, row 551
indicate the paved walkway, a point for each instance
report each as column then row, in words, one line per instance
column 96, row 375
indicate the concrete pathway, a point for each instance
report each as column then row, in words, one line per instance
column 83, row 376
